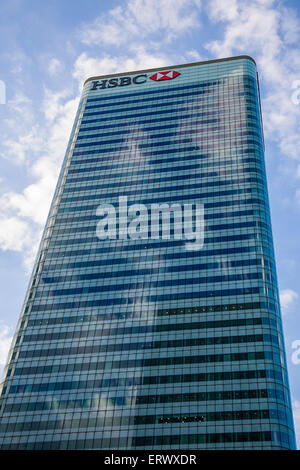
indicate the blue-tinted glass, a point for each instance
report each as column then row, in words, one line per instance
column 128, row 343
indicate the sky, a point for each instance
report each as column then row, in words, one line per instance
column 47, row 50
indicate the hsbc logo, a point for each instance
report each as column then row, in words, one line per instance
column 169, row 75
column 136, row 80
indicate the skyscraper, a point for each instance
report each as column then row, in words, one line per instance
column 152, row 318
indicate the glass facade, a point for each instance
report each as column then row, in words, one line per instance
column 138, row 342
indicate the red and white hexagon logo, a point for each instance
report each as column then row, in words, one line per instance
column 169, row 75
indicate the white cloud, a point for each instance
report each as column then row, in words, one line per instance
column 41, row 135
column 38, row 137
column 19, row 60
column 14, row 233
column 41, row 148
column 287, row 298
column 252, row 24
column 136, row 59
column 219, row 10
column 194, row 55
column 5, row 342
column 160, row 20
column 268, row 31
column 20, row 116
column 54, row 66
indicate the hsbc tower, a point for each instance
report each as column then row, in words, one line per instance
column 152, row 318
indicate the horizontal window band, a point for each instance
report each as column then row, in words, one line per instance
column 237, row 131
column 146, row 160
column 130, row 381
column 211, row 117
column 181, row 106
column 151, row 345
column 100, row 317
column 171, row 256
column 55, row 240
column 169, row 116
column 227, row 101
column 218, row 94
column 193, row 198
column 146, row 362
column 237, row 110
column 148, row 177
column 72, row 218
column 134, row 285
column 207, row 144
column 139, row 192
column 256, row 158
column 125, row 130
column 149, row 181
column 120, row 421
column 169, row 95
column 131, row 330
column 61, row 222
column 199, row 438
column 94, row 402
column 140, row 329
column 154, row 270
column 249, row 109
column 145, row 298
column 148, row 399
column 277, row 439
column 238, row 216
column 208, row 205
column 97, row 146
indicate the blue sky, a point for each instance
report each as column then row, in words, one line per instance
column 47, row 50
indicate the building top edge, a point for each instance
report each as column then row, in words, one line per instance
column 96, row 77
